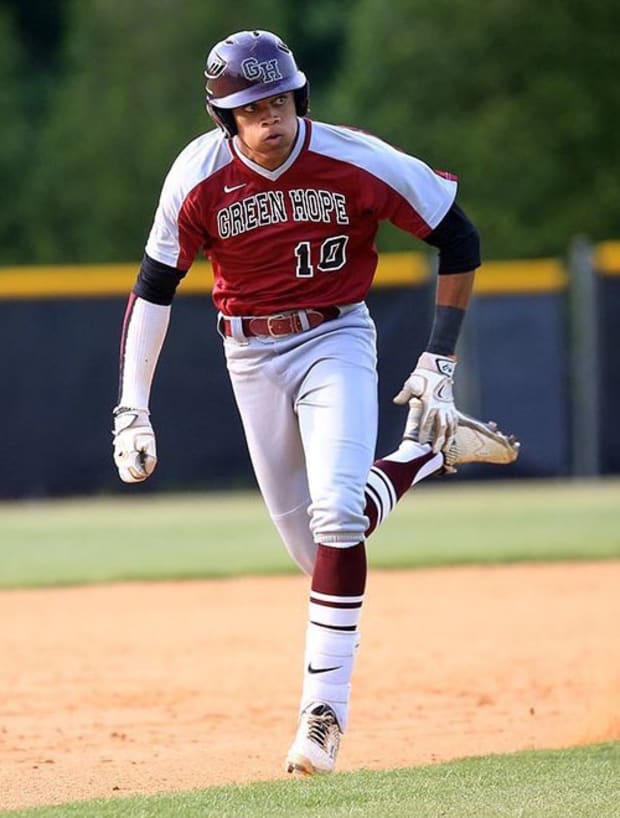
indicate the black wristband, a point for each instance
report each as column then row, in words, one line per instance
column 445, row 330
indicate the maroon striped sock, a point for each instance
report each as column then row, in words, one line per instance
column 388, row 481
column 340, row 571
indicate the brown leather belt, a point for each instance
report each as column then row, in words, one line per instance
column 284, row 323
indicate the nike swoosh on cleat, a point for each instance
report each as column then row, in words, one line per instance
column 321, row 669
column 230, row 188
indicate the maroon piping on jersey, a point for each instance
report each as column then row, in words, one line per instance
column 124, row 332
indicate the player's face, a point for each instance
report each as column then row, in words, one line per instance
column 267, row 129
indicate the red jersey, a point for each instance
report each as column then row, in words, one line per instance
column 302, row 235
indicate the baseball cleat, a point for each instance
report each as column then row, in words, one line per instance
column 316, row 744
column 478, row 442
column 474, row 441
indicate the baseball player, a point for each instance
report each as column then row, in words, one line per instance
column 287, row 210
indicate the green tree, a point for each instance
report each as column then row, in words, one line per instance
column 318, row 35
column 15, row 142
column 520, row 100
column 102, row 97
column 131, row 97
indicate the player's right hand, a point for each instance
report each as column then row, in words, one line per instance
column 135, row 454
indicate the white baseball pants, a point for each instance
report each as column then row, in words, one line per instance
column 308, row 404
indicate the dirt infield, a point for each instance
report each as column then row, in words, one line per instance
column 125, row 689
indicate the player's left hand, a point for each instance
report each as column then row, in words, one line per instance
column 135, row 453
column 431, row 382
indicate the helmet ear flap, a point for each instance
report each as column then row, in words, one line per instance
column 224, row 119
column 302, row 99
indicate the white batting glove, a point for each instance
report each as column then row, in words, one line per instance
column 431, row 383
column 135, row 454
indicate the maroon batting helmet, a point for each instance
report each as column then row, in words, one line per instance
column 248, row 66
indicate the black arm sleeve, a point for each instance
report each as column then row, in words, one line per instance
column 458, row 242
column 157, row 282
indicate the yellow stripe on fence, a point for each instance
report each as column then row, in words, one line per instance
column 401, row 269
column 607, row 258
column 394, row 270
column 543, row 275
column 91, row 281
column 66, row 281
column 85, row 281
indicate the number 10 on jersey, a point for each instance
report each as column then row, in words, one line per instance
column 332, row 256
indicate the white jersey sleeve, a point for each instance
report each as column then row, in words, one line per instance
column 178, row 230
column 407, row 192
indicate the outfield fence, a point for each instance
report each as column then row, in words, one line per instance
column 538, row 354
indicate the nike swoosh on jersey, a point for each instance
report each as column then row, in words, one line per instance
column 322, row 669
column 230, row 188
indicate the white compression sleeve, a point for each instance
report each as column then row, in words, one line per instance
column 144, row 330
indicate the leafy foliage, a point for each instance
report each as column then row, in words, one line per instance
column 131, row 97
column 14, row 155
column 521, row 101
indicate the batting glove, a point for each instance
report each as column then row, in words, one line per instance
column 135, row 454
column 431, row 383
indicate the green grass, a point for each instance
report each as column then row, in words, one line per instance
column 211, row 535
column 98, row 540
column 576, row 783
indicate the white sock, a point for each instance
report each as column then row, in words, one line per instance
column 329, row 660
column 408, row 450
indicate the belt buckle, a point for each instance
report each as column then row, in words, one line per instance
column 270, row 321
column 292, row 323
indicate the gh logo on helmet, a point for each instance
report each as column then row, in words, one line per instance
column 268, row 71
